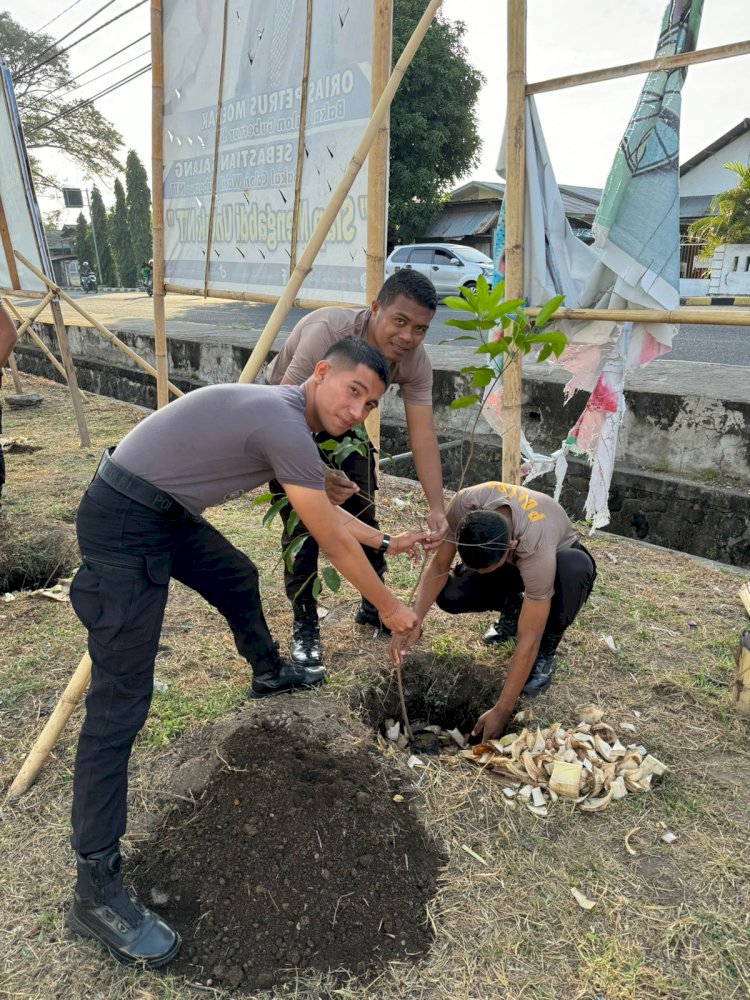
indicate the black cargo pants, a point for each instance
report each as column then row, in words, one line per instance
column 467, row 591
column 129, row 552
column 361, row 470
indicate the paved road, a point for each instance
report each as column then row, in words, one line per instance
column 243, row 322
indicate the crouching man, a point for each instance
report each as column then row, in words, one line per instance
column 140, row 525
column 520, row 556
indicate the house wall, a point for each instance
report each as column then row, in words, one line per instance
column 730, row 270
column 710, row 176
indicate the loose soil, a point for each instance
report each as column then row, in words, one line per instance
column 297, row 851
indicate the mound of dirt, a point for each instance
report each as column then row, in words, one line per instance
column 294, row 856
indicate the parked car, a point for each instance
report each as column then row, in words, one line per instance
column 448, row 265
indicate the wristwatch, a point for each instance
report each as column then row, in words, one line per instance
column 383, row 547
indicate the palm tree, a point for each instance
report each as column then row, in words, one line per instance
column 730, row 218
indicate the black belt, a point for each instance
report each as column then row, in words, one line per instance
column 138, row 489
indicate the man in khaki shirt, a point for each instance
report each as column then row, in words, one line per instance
column 396, row 323
column 520, row 556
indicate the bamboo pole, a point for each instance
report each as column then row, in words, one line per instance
column 128, row 351
column 5, row 239
column 14, row 374
column 157, row 183
column 55, row 724
column 217, row 141
column 20, row 293
column 70, row 372
column 515, row 167
column 39, row 342
column 260, row 297
column 304, row 266
column 301, row 139
column 644, row 66
column 26, row 321
column 377, row 173
column 697, row 315
column 741, row 690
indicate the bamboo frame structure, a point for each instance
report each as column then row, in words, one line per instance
column 38, row 341
column 317, row 238
column 260, row 297
column 515, row 187
column 304, row 89
column 111, row 337
column 14, row 375
column 377, row 174
column 157, row 182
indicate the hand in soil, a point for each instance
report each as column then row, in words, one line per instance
column 490, row 725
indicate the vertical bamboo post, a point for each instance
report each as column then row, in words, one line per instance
column 741, row 690
column 301, row 139
column 70, row 372
column 157, row 184
column 317, row 238
column 515, row 167
column 14, row 372
column 377, row 172
column 5, row 239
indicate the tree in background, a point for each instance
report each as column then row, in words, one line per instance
column 138, row 200
column 83, row 135
column 84, row 243
column 108, row 276
column 122, row 244
column 434, row 137
column 730, row 222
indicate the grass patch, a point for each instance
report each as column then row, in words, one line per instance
column 669, row 921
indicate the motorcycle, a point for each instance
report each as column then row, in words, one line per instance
column 89, row 282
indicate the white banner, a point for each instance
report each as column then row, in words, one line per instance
column 250, row 245
column 22, row 216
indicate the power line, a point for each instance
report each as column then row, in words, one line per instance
column 55, row 18
column 56, row 55
column 84, row 104
column 68, row 89
column 73, row 30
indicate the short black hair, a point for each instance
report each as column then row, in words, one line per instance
column 413, row 285
column 482, row 538
column 357, row 351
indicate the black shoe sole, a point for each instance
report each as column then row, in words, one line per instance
column 77, row 927
column 497, row 640
column 256, row 695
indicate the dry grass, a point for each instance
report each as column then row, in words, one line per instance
column 670, row 922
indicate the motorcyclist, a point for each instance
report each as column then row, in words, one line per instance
column 88, row 276
column 147, row 275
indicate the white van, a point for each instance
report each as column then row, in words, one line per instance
column 447, row 265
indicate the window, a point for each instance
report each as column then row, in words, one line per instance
column 443, row 257
column 736, row 263
column 421, row 255
column 399, row 256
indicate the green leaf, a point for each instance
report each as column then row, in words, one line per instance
column 292, row 522
column 331, row 579
column 548, row 308
column 497, row 293
column 316, row 588
column 329, row 445
column 263, row 498
column 471, row 299
column 494, row 347
column 544, row 353
column 557, row 341
column 454, row 302
column 482, row 377
column 273, row 510
column 463, row 401
column 292, row 550
column 464, row 324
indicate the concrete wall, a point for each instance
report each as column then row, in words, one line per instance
column 673, row 428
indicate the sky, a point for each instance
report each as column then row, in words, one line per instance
column 582, row 125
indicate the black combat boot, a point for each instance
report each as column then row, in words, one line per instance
column 305, row 645
column 102, row 909
column 367, row 614
column 544, row 666
column 506, row 626
column 274, row 675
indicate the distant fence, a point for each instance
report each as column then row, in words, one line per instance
column 690, row 266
